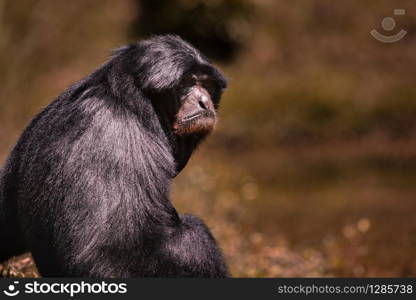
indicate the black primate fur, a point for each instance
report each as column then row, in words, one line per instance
column 86, row 188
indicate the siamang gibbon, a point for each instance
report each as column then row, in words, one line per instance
column 86, row 188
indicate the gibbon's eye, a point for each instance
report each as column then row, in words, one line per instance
column 187, row 82
column 210, row 86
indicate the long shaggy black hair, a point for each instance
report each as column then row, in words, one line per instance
column 86, row 188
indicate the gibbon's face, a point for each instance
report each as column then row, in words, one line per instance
column 198, row 99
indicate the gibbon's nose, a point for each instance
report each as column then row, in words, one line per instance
column 204, row 102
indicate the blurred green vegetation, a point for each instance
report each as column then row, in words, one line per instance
column 312, row 169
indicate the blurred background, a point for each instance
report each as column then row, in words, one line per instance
column 312, row 170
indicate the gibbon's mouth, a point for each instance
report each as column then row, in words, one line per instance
column 199, row 114
column 191, row 117
column 196, row 123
